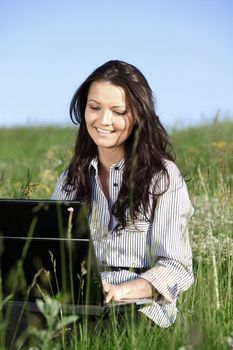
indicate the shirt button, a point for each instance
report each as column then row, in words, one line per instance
column 116, row 167
column 115, row 184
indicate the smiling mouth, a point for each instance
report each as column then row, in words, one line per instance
column 104, row 131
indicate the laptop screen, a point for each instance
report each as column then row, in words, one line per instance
column 46, row 248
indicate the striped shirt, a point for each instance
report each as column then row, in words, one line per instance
column 161, row 247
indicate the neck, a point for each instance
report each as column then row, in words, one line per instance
column 107, row 158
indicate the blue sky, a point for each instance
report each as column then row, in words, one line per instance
column 184, row 48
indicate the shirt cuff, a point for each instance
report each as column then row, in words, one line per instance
column 164, row 283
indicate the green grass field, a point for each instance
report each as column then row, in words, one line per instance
column 32, row 158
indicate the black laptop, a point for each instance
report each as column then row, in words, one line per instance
column 46, row 249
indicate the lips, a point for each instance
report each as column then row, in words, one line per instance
column 104, row 131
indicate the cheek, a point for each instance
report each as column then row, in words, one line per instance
column 88, row 117
column 126, row 125
column 88, row 122
column 121, row 124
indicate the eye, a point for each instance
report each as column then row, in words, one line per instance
column 95, row 108
column 120, row 113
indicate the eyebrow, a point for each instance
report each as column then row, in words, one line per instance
column 91, row 100
column 118, row 106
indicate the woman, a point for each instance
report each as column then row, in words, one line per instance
column 139, row 205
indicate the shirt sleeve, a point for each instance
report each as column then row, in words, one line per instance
column 170, row 248
column 59, row 193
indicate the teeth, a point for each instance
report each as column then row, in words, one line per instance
column 104, row 131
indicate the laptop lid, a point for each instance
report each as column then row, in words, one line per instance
column 46, row 248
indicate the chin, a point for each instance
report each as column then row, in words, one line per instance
column 104, row 145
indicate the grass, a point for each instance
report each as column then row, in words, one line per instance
column 35, row 156
column 32, row 158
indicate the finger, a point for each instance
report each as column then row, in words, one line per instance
column 106, row 287
column 109, row 296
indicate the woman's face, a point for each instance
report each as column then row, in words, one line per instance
column 108, row 118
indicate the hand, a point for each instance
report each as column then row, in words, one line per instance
column 112, row 292
column 138, row 288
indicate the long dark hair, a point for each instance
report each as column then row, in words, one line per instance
column 145, row 150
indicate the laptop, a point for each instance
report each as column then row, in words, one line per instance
column 46, row 249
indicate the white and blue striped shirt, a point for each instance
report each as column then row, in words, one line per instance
column 162, row 247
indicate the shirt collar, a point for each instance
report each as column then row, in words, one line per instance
column 116, row 166
column 94, row 164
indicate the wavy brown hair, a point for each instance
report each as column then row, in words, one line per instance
column 145, row 150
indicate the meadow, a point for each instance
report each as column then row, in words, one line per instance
column 32, row 158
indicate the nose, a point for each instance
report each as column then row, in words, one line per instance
column 107, row 117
